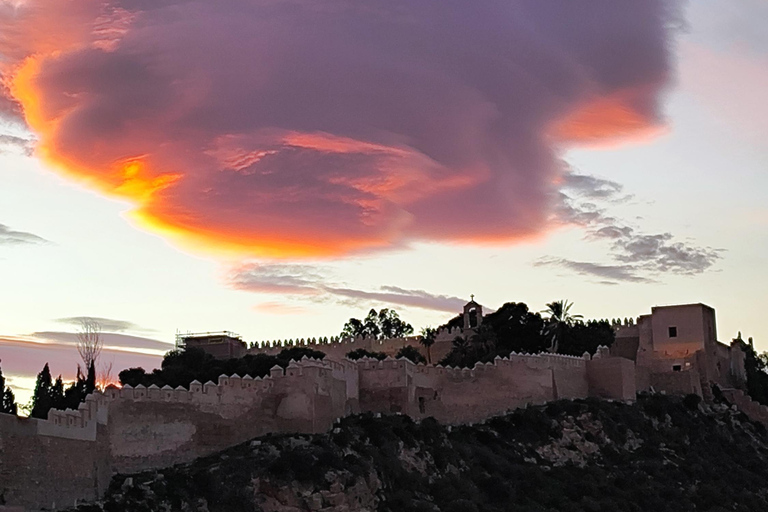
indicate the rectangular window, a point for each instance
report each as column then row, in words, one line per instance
column 673, row 332
column 677, row 368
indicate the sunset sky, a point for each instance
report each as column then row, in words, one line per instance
column 273, row 167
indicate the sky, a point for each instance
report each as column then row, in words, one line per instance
column 275, row 167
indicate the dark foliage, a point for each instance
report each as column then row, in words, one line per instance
column 7, row 399
column 181, row 367
column 52, row 395
column 412, row 354
column 382, row 324
column 661, row 454
column 756, row 366
column 361, row 353
column 514, row 328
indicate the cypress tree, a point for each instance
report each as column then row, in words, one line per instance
column 42, row 399
column 90, row 381
column 7, row 399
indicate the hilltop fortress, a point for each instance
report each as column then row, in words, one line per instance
column 50, row 464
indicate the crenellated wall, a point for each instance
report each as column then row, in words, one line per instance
column 459, row 395
column 338, row 348
column 133, row 429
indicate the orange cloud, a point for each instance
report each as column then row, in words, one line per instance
column 262, row 131
column 608, row 120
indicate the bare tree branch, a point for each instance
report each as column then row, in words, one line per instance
column 89, row 341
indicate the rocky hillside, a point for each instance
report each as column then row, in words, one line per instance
column 660, row 454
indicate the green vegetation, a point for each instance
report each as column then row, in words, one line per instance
column 514, row 328
column 383, row 324
column 181, row 367
column 662, row 454
column 7, row 399
column 52, row 395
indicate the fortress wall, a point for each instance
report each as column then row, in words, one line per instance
column 386, row 386
column 682, row 383
column 42, row 471
column 458, row 395
column 474, row 395
column 339, row 349
column 152, row 427
column 612, row 377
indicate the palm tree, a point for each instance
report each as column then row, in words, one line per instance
column 559, row 321
column 428, row 335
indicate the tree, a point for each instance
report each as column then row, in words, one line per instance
column 427, row 339
column 391, row 326
column 42, row 398
column 7, row 399
column 559, row 321
column 382, row 324
column 412, row 354
column 361, row 353
column 89, row 342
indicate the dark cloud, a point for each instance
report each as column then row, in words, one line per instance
column 591, row 187
column 662, row 254
column 12, row 143
column 275, row 278
column 107, row 325
column 610, row 274
column 11, row 237
column 403, row 297
column 585, row 201
column 303, row 128
column 305, row 280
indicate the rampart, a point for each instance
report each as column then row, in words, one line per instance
column 338, row 348
column 71, row 455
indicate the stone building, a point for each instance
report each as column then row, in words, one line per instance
column 221, row 345
column 675, row 350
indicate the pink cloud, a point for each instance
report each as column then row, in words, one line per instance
column 301, row 128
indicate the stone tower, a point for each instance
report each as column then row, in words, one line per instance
column 469, row 308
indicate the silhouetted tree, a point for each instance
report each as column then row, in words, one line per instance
column 383, row 324
column 412, row 354
column 7, row 399
column 42, row 400
column 181, row 367
column 559, row 321
column 89, row 341
column 756, row 366
column 361, row 353
column 427, row 339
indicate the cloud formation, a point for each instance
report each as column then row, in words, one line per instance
column 10, row 237
column 303, row 128
column 307, row 281
column 108, row 325
column 637, row 256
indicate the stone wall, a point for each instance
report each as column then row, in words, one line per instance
column 40, row 471
column 339, row 348
column 73, row 453
column 153, row 427
column 454, row 395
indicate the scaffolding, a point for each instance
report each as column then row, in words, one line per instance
column 213, row 336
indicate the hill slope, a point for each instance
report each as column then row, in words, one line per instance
column 660, row 454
